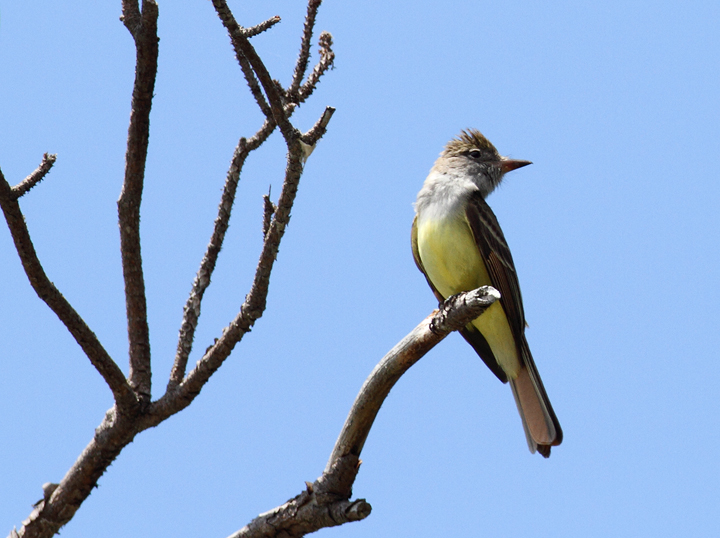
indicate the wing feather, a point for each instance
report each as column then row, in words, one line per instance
column 539, row 420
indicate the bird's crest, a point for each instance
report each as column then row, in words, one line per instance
column 468, row 140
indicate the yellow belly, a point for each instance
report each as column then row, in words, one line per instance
column 453, row 264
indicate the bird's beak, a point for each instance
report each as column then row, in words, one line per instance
column 506, row 165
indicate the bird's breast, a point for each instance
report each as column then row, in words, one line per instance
column 450, row 255
column 453, row 263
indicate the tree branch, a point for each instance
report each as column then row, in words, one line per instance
column 47, row 291
column 234, row 28
column 304, row 56
column 318, row 130
column 124, row 421
column 327, row 61
column 244, row 49
column 322, row 504
column 36, row 177
column 325, row 503
column 114, row 433
column 144, row 32
column 181, row 393
column 263, row 26
column 191, row 311
column 456, row 312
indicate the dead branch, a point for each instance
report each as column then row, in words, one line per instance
column 241, row 45
column 326, row 502
column 36, row 177
column 269, row 210
column 304, row 56
column 255, row 301
column 456, row 312
column 318, row 130
column 263, row 26
column 128, row 418
column 47, row 291
column 144, row 31
column 245, row 51
column 327, row 61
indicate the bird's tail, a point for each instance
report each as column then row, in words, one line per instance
column 542, row 428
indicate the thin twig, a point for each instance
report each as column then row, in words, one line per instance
column 251, row 310
column 47, row 291
column 263, row 26
column 327, row 62
column 36, row 177
column 254, row 305
column 244, row 48
column 234, row 29
column 304, row 56
column 146, row 42
column 318, row 130
column 192, row 309
column 269, row 210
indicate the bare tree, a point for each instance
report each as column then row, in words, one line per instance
column 325, row 502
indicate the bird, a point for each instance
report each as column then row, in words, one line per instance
column 458, row 245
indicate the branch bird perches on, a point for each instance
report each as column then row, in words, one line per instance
column 326, row 502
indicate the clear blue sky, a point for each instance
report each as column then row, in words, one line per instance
column 614, row 231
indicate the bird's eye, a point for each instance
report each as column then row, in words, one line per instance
column 475, row 154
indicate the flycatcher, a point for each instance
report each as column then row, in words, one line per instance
column 458, row 245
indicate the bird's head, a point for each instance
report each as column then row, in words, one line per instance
column 472, row 155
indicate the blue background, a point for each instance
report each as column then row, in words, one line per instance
column 614, row 231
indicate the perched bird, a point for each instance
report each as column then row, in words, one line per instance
column 458, row 245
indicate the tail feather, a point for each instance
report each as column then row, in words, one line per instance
column 541, row 426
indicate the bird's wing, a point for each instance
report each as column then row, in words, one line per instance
column 541, row 424
column 498, row 260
